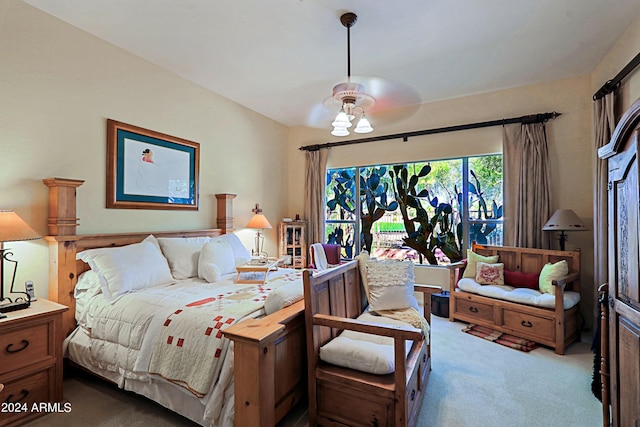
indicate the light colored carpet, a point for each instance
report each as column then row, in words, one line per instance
column 474, row 383
column 478, row 383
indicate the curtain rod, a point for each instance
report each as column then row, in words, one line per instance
column 534, row 118
column 614, row 83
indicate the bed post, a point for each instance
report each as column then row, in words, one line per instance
column 62, row 240
column 225, row 212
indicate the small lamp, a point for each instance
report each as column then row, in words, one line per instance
column 260, row 222
column 564, row 220
column 12, row 229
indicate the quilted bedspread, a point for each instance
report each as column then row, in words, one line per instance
column 174, row 333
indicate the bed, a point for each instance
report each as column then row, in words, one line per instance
column 258, row 371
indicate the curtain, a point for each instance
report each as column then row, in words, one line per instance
column 527, row 185
column 604, row 122
column 315, row 176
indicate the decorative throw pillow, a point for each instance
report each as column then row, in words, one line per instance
column 216, row 259
column 489, row 274
column 182, row 254
column 128, row 268
column 390, row 284
column 552, row 272
column 518, row 279
column 472, row 259
column 363, row 257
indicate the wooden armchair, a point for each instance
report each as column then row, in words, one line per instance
column 340, row 396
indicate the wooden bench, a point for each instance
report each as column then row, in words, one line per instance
column 556, row 327
column 345, row 397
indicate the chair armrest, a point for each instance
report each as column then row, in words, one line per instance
column 427, row 289
column 401, row 332
column 566, row 280
column 456, row 265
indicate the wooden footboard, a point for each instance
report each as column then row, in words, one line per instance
column 269, row 366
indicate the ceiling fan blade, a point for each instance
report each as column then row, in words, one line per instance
column 389, row 94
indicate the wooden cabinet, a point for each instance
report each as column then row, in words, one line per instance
column 31, row 362
column 293, row 242
column 621, row 332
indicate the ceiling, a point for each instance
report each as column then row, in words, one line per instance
column 281, row 58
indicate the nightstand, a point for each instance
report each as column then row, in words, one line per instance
column 31, row 362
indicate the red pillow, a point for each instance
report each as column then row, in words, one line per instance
column 518, row 279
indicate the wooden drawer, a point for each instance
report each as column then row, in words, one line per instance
column 529, row 324
column 23, row 346
column 417, row 386
column 476, row 309
column 20, row 394
column 339, row 405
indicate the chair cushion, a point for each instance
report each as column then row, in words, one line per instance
column 364, row 352
column 518, row 295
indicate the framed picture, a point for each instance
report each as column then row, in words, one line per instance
column 150, row 170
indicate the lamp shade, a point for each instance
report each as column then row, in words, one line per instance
column 259, row 221
column 14, row 229
column 564, row 220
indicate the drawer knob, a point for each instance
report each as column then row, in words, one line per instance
column 24, row 344
column 473, row 309
column 413, row 394
column 24, row 394
column 526, row 324
column 424, row 358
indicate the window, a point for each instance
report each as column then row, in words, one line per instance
column 428, row 212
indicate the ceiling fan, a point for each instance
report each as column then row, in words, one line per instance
column 359, row 97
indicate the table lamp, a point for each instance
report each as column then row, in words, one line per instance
column 12, row 229
column 259, row 222
column 564, row 220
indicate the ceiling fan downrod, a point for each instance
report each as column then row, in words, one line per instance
column 348, row 20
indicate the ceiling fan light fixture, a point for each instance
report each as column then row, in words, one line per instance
column 363, row 125
column 338, row 131
column 342, row 120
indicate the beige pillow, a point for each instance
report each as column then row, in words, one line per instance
column 362, row 258
column 489, row 274
column 472, row 259
column 390, row 284
column 552, row 272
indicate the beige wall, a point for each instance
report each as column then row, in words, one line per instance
column 625, row 49
column 58, row 86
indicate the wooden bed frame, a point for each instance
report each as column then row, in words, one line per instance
column 269, row 361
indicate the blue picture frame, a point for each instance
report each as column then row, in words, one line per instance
column 150, row 170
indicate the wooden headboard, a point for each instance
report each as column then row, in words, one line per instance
column 64, row 243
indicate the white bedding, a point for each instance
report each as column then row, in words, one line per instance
column 118, row 340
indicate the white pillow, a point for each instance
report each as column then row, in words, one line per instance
column 182, row 254
column 283, row 296
column 216, row 259
column 240, row 252
column 364, row 352
column 128, row 268
column 390, row 284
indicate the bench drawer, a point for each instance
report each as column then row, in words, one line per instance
column 529, row 324
column 473, row 308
